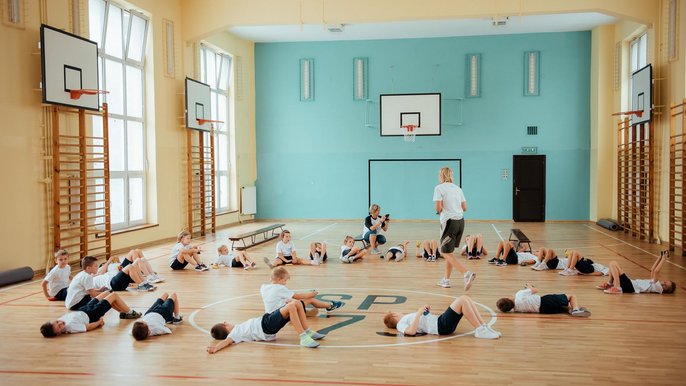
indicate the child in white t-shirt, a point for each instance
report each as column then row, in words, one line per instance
column 620, row 283
column 184, row 253
column 350, row 252
column 528, row 300
column 285, row 252
column 265, row 328
column 424, row 322
column 82, row 289
column 233, row 259
column 318, row 252
column 56, row 282
column 428, row 250
column 275, row 295
column 89, row 316
column 397, row 252
column 165, row 310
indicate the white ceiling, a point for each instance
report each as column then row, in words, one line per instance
column 425, row 29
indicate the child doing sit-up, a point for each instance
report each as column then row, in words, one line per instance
column 275, row 294
column 56, row 282
column 165, row 310
column 184, row 253
column 474, row 247
column 509, row 254
column 351, row 252
column 285, row 252
column 620, row 283
column 428, row 250
column 318, row 253
column 397, row 252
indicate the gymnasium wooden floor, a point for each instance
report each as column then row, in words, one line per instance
column 634, row 339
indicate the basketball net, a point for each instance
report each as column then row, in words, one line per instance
column 409, row 133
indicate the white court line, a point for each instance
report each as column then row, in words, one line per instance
column 631, row 245
column 497, row 232
column 20, row 285
column 317, row 231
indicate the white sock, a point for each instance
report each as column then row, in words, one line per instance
column 466, row 274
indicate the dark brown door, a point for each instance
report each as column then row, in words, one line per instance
column 528, row 193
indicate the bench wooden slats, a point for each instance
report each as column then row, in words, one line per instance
column 521, row 239
column 253, row 234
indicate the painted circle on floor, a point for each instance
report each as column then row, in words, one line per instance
column 361, row 317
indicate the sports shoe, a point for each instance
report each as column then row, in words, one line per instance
column 345, row 259
column 253, row 265
column 484, row 333
column 375, row 251
column 604, row 286
column 399, row 258
column 500, row 263
column 568, row 272
column 540, row 267
column 133, row 314
column 581, row 313
column 478, row 256
column 445, row 283
column 334, row 305
column 314, row 261
column 175, row 320
column 311, row 311
column 268, row 262
column 493, row 260
column 315, row 335
column 468, row 280
column 199, row 268
column 144, row 287
column 155, row 278
column 613, row 290
column 307, row 341
column 204, row 267
column 489, row 328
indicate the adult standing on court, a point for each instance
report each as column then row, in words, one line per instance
column 451, row 205
column 373, row 225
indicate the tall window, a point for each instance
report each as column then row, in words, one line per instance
column 215, row 69
column 121, row 37
column 638, row 52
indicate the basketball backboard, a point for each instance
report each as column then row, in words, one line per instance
column 69, row 63
column 422, row 111
column 641, row 94
column 198, row 107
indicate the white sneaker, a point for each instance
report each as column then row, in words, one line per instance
column 493, row 331
column 568, row 272
column 445, row 283
column 375, row 251
column 484, row 333
column 540, row 267
column 468, row 280
column 314, row 261
column 399, row 258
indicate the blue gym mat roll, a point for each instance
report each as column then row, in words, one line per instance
column 608, row 224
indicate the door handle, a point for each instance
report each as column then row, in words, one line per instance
column 516, row 191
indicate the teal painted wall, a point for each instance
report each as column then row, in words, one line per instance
column 312, row 157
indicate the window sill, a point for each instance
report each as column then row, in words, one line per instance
column 133, row 229
column 227, row 212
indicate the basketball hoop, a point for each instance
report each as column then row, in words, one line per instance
column 204, row 121
column 76, row 94
column 409, row 133
column 638, row 113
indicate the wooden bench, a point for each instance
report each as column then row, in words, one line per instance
column 361, row 239
column 521, row 239
column 266, row 236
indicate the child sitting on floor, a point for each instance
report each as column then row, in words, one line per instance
column 56, row 282
column 474, row 247
column 233, row 259
column 528, row 300
column 275, row 295
column 512, row 254
column 165, row 310
column 350, row 252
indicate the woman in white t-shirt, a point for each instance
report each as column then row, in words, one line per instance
column 424, row 322
column 451, row 205
column 620, row 283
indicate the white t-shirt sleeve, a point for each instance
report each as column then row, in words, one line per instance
column 75, row 322
column 437, row 193
column 404, row 322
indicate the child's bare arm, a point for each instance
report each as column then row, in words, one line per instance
column 94, row 325
column 532, row 288
column 657, row 266
column 412, row 329
column 44, row 284
column 219, row 346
